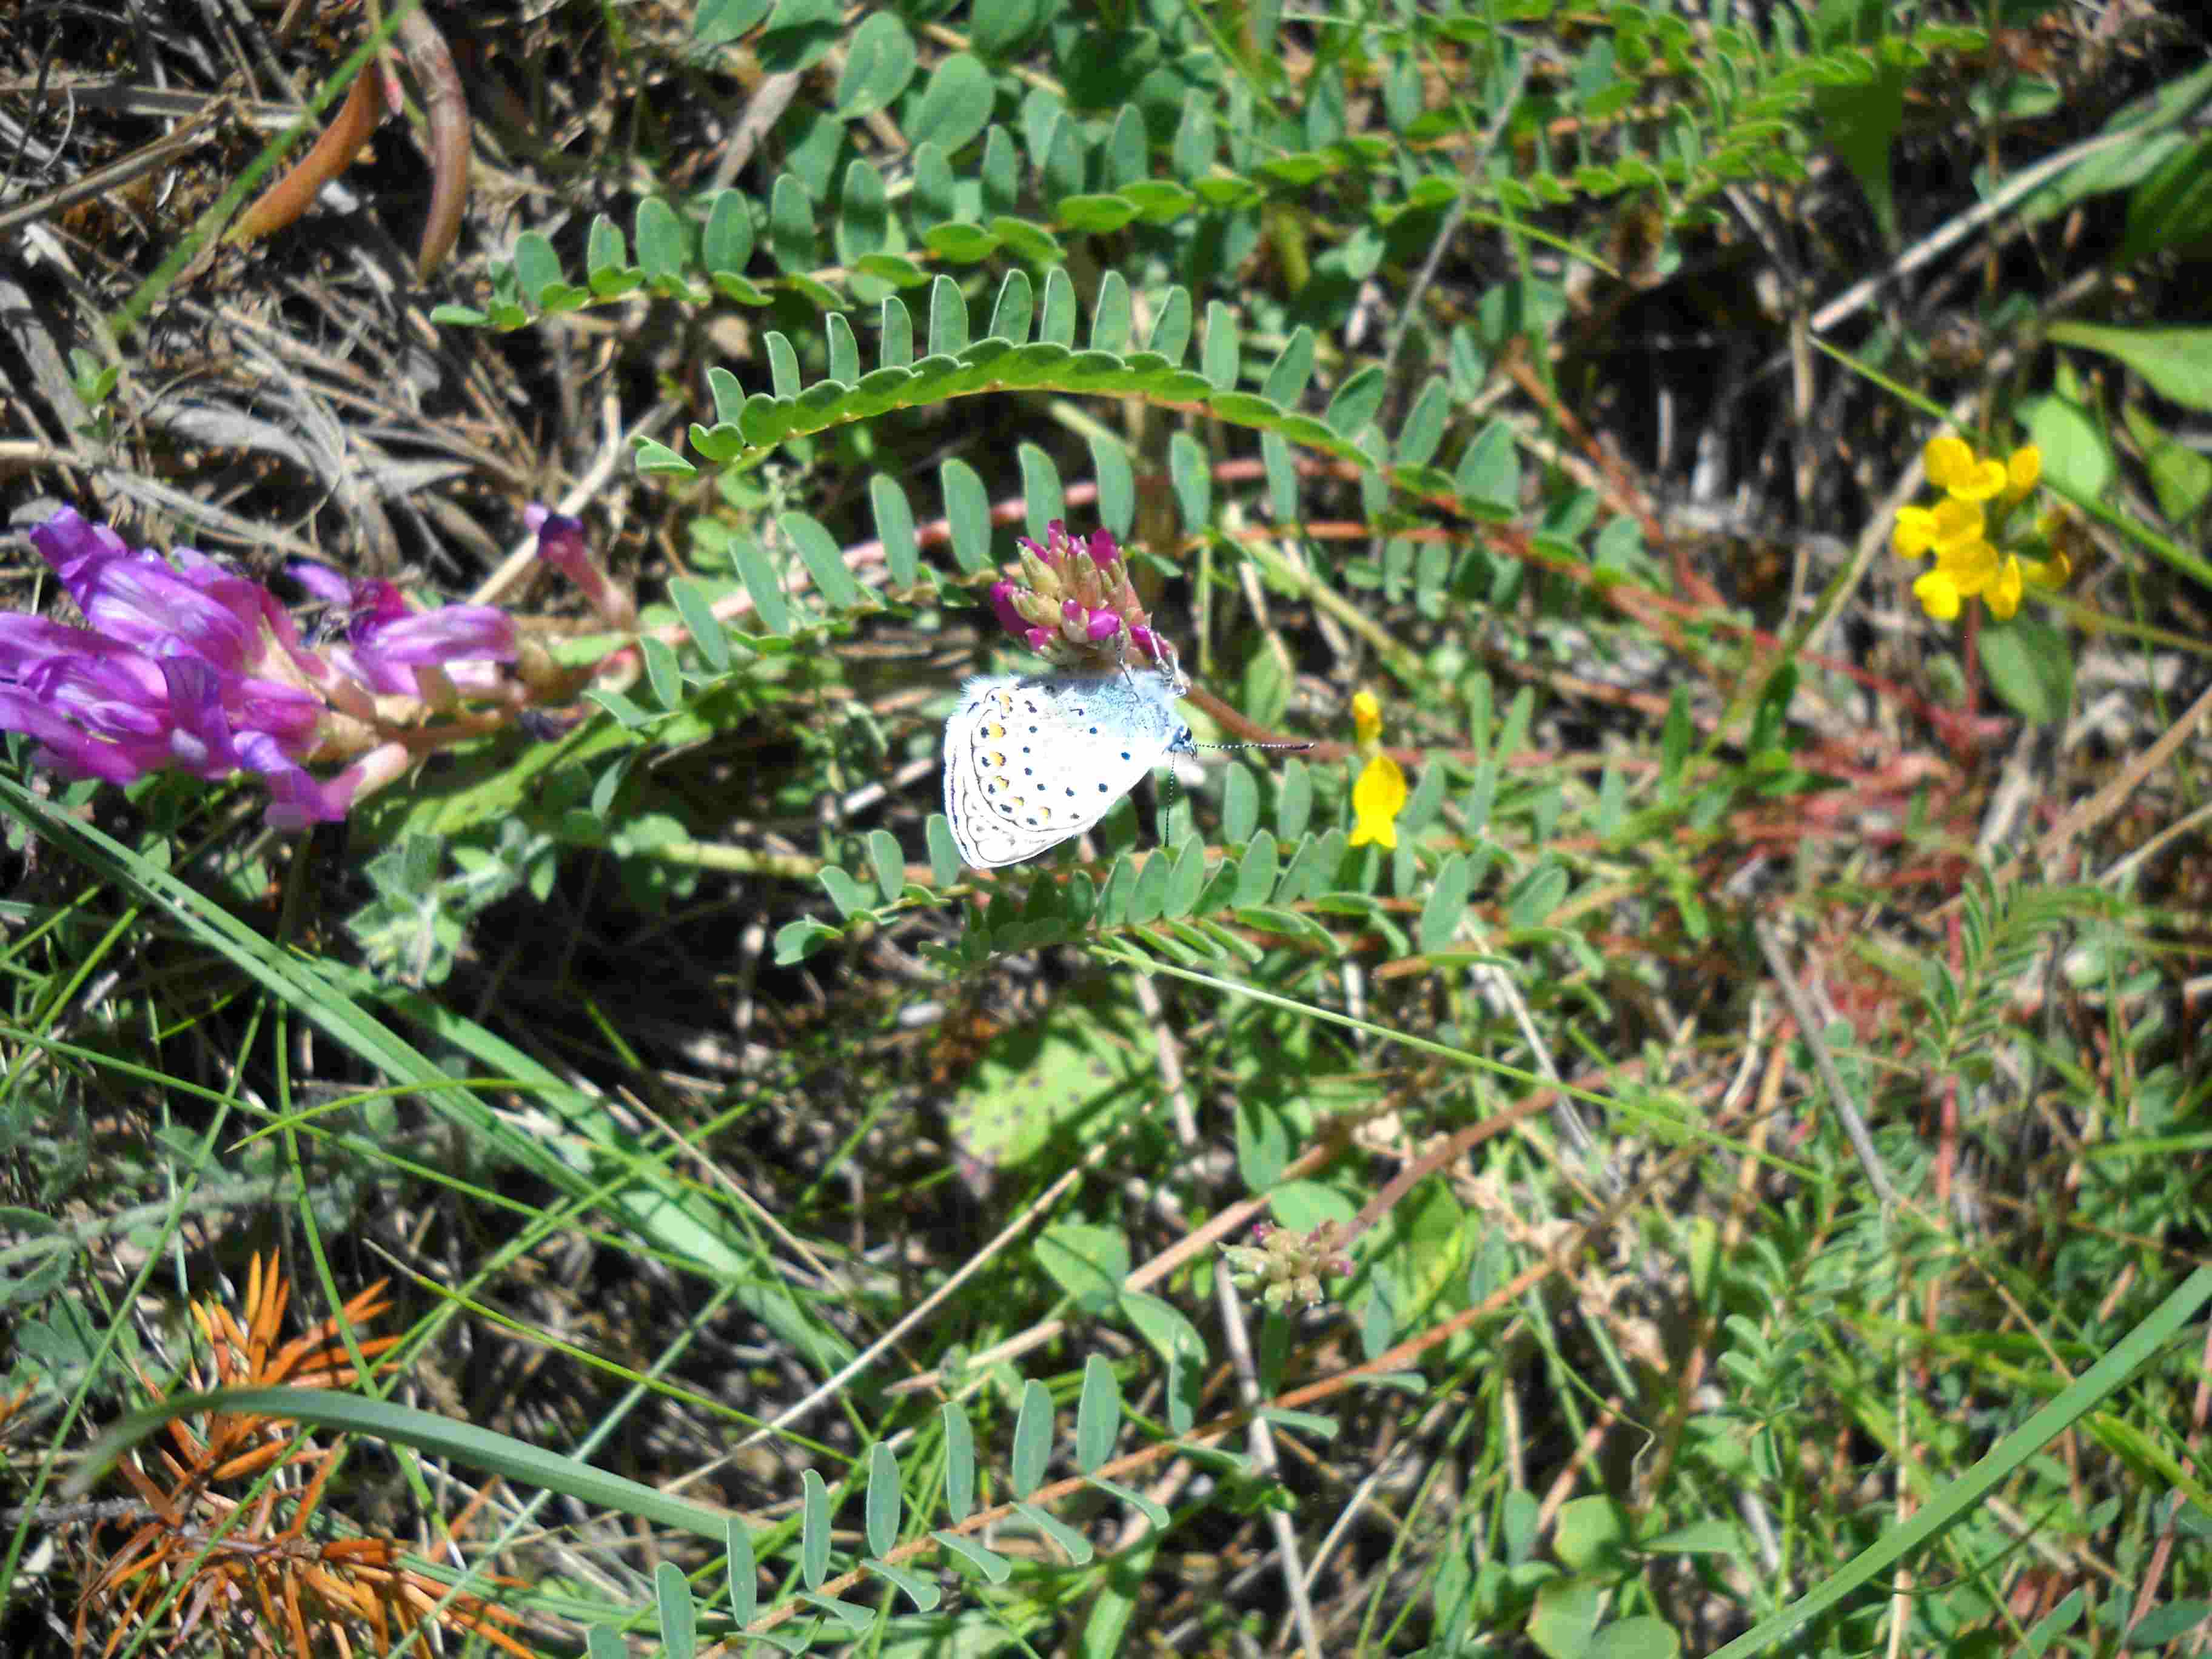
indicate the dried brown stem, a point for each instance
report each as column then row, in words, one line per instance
column 333, row 153
column 446, row 108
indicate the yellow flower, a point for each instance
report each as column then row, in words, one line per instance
column 1974, row 554
column 1377, row 797
column 1366, row 717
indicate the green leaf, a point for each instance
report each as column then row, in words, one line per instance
column 1097, row 215
column 1087, row 1261
column 1861, row 118
column 825, row 560
column 894, row 529
column 948, row 318
column 795, row 941
column 720, row 20
column 2172, row 207
column 1057, row 324
column 967, row 514
column 1564, row 1618
column 2176, row 362
column 1640, row 1638
column 1041, row 490
column 662, row 246
column 995, row 1568
column 1256, row 872
column 1192, row 476
column 792, row 242
column 1591, row 1535
column 1014, row 309
column 814, row 1528
column 657, row 458
column 955, row 107
column 1033, row 1433
column 1357, row 400
column 846, row 894
column 1221, row 357
column 762, row 583
column 2076, row 458
column 1117, row 482
column 1446, row 903
column 889, row 863
column 1097, row 1414
column 2029, row 666
column 879, row 61
column 798, row 35
column 884, row 1500
column 678, row 1618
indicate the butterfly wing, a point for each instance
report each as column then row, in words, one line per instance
column 1030, row 761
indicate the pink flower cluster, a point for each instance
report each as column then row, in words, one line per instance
column 185, row 665
column 1074, row 600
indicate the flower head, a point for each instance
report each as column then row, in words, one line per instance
column 1970, row 532
column 1287, row 1267
column 187, row 666
column 1075, row 601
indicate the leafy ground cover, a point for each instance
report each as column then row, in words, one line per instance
column 1672, row 1120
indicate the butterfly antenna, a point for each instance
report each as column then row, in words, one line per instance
column 1308, row 744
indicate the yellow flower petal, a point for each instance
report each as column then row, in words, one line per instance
column 1984, row 481
column 1366, row 716
column 2023, row 469
column 1957, row 524
column 2003, row 595
column 1947, row 458
column 1377, row 797
column 1914, row 532
column 1938, row 595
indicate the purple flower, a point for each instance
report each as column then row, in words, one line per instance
column 162, row 680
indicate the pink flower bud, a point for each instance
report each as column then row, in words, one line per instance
column 1002, row 605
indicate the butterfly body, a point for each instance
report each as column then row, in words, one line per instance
column 1032, row 760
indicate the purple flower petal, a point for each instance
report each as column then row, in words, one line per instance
column 1104, row 549
column 285, row 713
column 450, row 634
column 1104, row 625
column 20, row 711
column 561, row 541
column 25, row 642
column 1002, row 606
column 199, row 736
column 319, row 580
column 297, row 797
column 124, row 695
